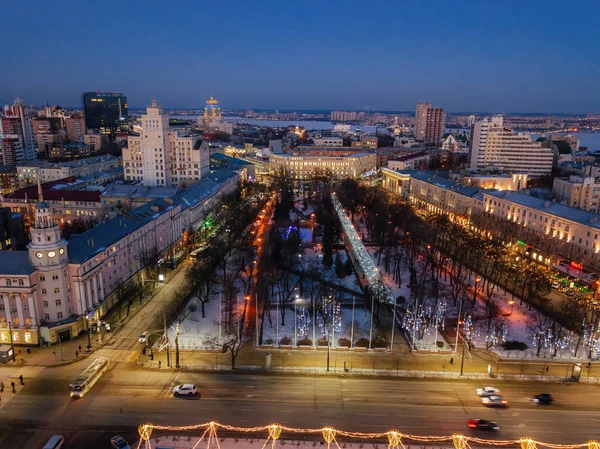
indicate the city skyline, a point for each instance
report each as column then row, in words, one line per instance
column 465, row 57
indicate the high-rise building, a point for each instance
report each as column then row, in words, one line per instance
column 343, row 116
column 105, row 112
column 75, row 127
column 212, row 120
column 470, row 121
column 429, row 123
column 494, row 146
column 163, row 157
column 17, row 143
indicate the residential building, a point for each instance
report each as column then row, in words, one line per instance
column 48, row 292
column 452, row 145
column 343, row 116
column 68, row 151
column 95, row 141
column 105, row 112
column 365, row 142
column 51, row 171
column 409, row 161
column 578, row 191
column 430, row 123
column 17, row 143
column 65, row 205
column 421, row 120
column 163, row 157
column 328, row 142
column 9, row 179
column 470, row 121
column 494, row 181
column 12, row 230
column 494, row 146
column 75, row 128
column 305, row 166
column 118, row 198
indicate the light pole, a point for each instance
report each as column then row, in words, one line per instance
column 394, row 324
column 352, row 324
column 512, row 305
column 296, row 322
column 458, row 325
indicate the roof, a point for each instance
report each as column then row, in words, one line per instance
column 440, row 179
column 563, row 147
column 50, row 194
column 138, row 191
column 410, row 156
column 69, row 164
column 15, row 262
column 549, row 207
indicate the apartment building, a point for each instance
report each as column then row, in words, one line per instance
column 160, row 156
column 494, row 146
column 328, row 142
column 430, row 123
column 366, row 142
column 17, row 143
column 29, row 171
column 343, row 116
column 578, row 191
column 409, row 161
column 305, row 166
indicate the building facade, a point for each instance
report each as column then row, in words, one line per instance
column 578, row 192
column 17, row 143
column 28, row 172
column 212, row 120
column 163, row 157
column 328, row 142
column 300, row 166
column 105, row 112
column 495, row 147
column 75, row 128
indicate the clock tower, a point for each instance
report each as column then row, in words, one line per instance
column 48, row 255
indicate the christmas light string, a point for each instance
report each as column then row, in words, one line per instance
column 395, row 438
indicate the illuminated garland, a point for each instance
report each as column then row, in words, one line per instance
column 394, row 437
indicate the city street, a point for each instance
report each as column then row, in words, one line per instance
column 127, row 396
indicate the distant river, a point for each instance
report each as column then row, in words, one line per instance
column 590, row 140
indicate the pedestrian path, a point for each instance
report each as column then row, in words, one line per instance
column 12, row 374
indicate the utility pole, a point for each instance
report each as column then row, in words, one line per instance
column 462, row 359
column 166, row 340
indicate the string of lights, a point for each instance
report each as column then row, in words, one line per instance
column 395, row 438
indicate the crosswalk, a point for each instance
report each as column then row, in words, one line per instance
column 12, row 374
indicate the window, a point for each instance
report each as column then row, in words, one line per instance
column 42, row 278
column 45, row 303
column 55, row 277
column 58, row 302
column 21, row 282
column 44, row 291
column 46, row 316
column 1, row 307
column 8, row 282
column 57, row 290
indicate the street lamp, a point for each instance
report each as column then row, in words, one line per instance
column 512, row 304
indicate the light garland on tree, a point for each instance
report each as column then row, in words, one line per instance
column 273, row 433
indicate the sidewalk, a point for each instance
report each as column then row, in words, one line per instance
column 397, row 363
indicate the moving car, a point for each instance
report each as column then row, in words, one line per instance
column 482, row 424
column 494, row 401
column 55, row 442
column 118, row 442
column 184, row 390
column 544, row 398
column 487, row 391
column 144, row 337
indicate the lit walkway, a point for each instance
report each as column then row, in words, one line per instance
column 363, row 263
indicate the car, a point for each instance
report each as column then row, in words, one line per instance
column 487, row 391
column 494, row 401
column 544, row 398
column 144, row 337
column 555, row 284
column 185, row 390
column 482, row 424
column 118, row 442
column 570, row 292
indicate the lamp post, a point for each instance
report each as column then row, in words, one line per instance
column 394, row 324
column 12, row 343
column 296, row 322
column 512, row 305
column 458, row 325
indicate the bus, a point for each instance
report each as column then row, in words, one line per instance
column 88, row 378
column 195, row 255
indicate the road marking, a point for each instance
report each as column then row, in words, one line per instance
column 370, row 414
column 521, row 425
column 516, row 414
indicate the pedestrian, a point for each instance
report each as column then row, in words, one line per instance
column 79, row 348
column 451, row 360
column 159, row 364
column 547, row 368
column 76, row 354
column 21, row 379
column 12, row 384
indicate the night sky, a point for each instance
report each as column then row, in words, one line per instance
column 480, row 56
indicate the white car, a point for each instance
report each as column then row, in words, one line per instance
column 184, row 390
column 118, row 442
column 144, row 337
column 487, row 391
column 494, row 401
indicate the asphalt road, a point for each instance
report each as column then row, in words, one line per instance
column 127, row 396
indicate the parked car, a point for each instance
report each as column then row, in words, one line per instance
column 494, row 401
column 544, row 398
column 144, row 337
column 118, row 442
column 487, row 391
column 555, row 284
column 570, row 292
column 185, row 390
column 482, row 424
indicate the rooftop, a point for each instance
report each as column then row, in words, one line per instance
column 138, row 191
column 69, row 164
column 408, row 157
column 51, row 193
column 15, row 262
column 549, row 207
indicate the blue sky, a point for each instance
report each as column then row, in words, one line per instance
column 510, row 56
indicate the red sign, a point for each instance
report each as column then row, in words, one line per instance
column 576, row 266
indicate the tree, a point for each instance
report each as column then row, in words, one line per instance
column 202, row 280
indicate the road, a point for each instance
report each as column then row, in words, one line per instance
column 127, row 396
